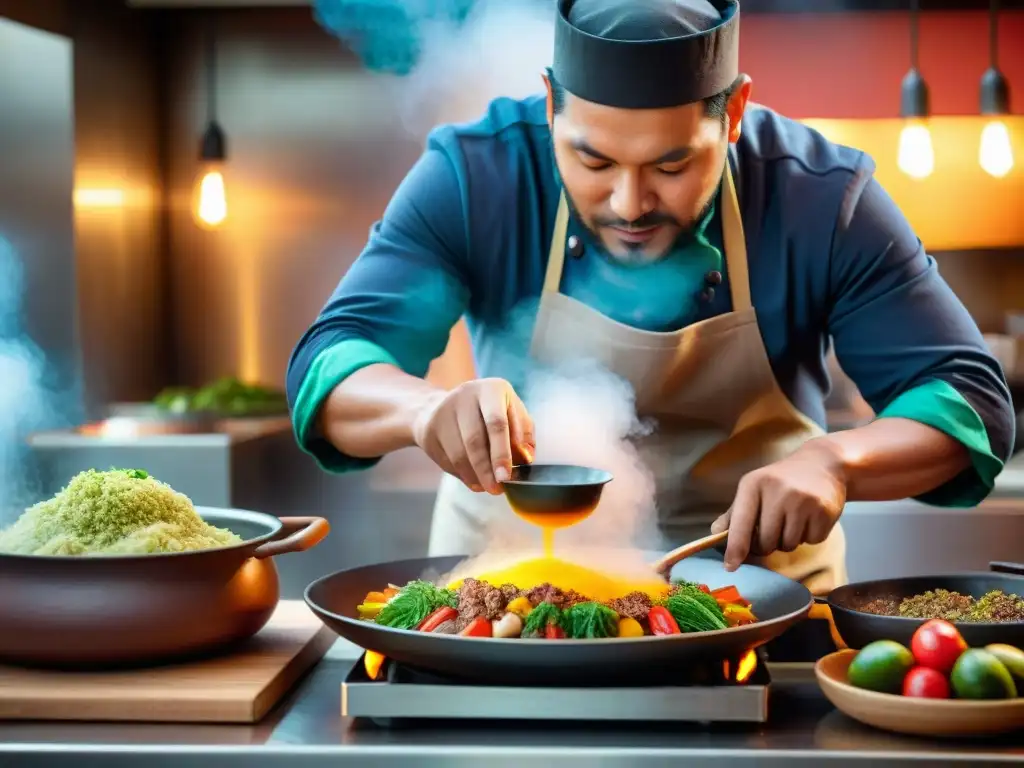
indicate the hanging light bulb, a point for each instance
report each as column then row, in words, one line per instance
column 210, row 205
column 995, row 152
column 915, row 156
column 209, row 198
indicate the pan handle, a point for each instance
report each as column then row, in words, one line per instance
column 1015, row 569
column 665, row 564
column 822, row 611
column 307, row 532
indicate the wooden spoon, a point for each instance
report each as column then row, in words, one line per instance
column 665, row 564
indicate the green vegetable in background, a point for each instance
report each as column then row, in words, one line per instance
column 414, row 602
column 693, row 614
column 540, row 617
column 590, row 620
column 227, row 395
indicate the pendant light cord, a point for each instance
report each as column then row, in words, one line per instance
column 914, row 10
column 993, row 32
column 211, row 74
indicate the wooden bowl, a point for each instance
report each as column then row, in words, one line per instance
column 918, row 717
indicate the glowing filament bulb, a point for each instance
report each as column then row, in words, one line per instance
column 916, row 156
column 211, row 208
column 995, row 154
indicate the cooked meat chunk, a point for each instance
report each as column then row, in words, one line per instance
column 635, row 605
column 477, row 598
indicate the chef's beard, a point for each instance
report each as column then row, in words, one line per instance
column 635, row 253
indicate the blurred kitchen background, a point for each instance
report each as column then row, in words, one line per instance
column 113, row 287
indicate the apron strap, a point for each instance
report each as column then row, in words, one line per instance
column 556, row 255
column 735, row 243
column 732, row 236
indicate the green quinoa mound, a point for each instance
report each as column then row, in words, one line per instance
column 118, row 512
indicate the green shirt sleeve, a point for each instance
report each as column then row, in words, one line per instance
column 938, row 404
column 332, row 366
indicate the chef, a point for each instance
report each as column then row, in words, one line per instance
column 704, row 248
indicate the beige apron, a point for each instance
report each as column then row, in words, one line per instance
column 719, row 410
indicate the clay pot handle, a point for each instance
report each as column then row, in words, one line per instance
column 665, row 564
column 311, row 531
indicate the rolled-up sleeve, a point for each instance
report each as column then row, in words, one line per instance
column 910, row 345
column 397, row 303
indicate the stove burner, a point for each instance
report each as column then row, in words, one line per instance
column 703, row 693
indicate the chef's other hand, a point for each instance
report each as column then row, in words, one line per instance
column 476, row 432
column 791, row 502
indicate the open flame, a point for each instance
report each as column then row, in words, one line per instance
column 745, row 667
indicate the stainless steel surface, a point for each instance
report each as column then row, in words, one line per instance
column 308, row 731
column 695, row 703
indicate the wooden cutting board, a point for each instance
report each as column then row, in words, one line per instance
column 240, row 687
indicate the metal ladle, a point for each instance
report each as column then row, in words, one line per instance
column 548, row 491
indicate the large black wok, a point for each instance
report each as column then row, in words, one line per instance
column 858, row 628
column 777, row 601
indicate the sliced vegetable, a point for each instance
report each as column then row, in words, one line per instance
column 520, row 606
column 369, row 610
column 693, row 614
column 375, row 597
column 478, row 627
column 509, row 625
column 738, row 615
column 540, row 618
column 729, row 595
column 413, row 603
column 437, row 618
column 553, row 632
column 661, row 621
column 372, row 663
column 630, row 628
column 590, row 620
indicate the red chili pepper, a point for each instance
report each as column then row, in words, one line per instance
column 478, row 627
column 661, row 621
column 437, row 618
column 553, row 632
column 704, row 588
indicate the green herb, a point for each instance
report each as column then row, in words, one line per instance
column 540, row 617
column 414, row 602
column 137, row 474
column 693, row 614
column 590, row 620
column 698, row 594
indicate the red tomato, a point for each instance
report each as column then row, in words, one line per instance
column 925, row 683
column 937, row 644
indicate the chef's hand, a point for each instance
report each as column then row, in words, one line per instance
column 476, row 431
column 794, row 501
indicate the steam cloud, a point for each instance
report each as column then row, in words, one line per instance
column 26, row 403
column 501, row 49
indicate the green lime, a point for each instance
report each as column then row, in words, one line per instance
column 1012, row 658
column 978, row 674
column 881, row 666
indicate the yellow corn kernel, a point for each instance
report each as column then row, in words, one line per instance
column 630, row 628
column 520, row 607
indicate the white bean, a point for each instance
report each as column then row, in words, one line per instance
column 509, row 625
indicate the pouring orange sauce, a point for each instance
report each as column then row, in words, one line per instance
column 564, row 574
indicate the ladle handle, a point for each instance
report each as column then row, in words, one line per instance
column 666, row 563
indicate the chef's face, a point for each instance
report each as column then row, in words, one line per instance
column 639, row 179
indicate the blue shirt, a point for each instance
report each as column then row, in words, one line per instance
column 830, row 256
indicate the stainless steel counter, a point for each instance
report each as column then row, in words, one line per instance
column 307, row 731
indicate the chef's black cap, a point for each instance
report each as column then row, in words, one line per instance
column 646, row 54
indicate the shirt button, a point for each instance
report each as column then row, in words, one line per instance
column 714, row 277
column 707, row 295
column 575, row 247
